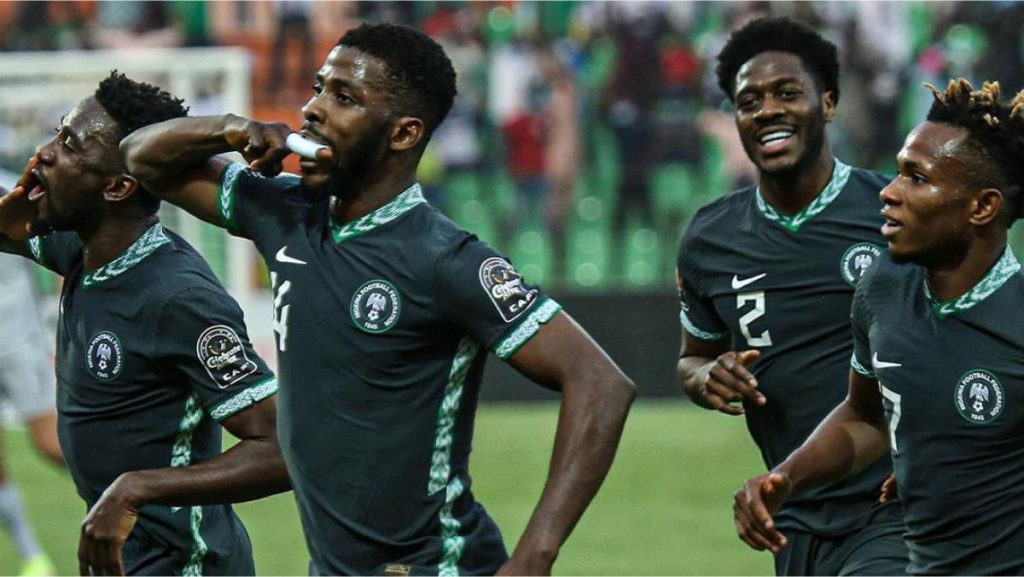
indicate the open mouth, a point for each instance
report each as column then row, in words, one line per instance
column 891, row 226
column 775, row 139
column 36, row 187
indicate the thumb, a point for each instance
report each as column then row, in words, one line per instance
column 747, row 357
column 775, row 483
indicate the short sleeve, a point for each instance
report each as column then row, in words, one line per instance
column 860, row 319
column 697, row 313
column 481, row 291
column 250, row 203
column 202, row 335
column 57, row 251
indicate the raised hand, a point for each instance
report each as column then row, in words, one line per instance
column 753, row 507
column 262, row 144
column 729, row 381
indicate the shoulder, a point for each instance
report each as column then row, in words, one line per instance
column 884, row 276
column 715, row 220
column 867, row 181
column 179, row 270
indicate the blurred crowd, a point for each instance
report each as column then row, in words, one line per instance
column 565, row 101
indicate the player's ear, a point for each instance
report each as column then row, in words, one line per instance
column 406, row 133
column 828, row 105
column 985, row 206
column 120, row 187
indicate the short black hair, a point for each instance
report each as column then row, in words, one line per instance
column 420, row 73
column 819, row 56
column 133, row 105
column 995, row 136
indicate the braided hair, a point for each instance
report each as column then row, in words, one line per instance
column 995, row 141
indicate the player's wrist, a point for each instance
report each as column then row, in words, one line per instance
column 129, row 490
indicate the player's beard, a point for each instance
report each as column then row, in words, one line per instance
column 348, row 177
column 41, row 226
column 815, row 141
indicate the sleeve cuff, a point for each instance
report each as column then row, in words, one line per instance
column 512, row 342
column 245, row 399
column 860, row 369
column 35, row 246
column 697, row 332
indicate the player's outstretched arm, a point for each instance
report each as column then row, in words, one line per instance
column 596, row 396
column 177, row 161
column 852, row 437
column 252, row 469
column 715, row 377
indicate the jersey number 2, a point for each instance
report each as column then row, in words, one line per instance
column 764, row 339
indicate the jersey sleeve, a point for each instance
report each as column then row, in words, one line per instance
column 696, row 312
column 202, row 335
column 480, row 291
column 56, row 251
column 251, row 203
column 860, row 319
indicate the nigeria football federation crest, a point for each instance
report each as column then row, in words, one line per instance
column 375, row 306
column 979, row 397
column 857, row 260
column 104, row 357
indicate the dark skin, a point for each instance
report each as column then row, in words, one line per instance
column 373, row 154
column 86, row 192
column 774, row 95
column 937, row 218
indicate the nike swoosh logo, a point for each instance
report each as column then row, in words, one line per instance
column 738, row 284
column 282, row 257
column 883, row 364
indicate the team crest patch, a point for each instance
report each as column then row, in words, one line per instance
column 505, row 288
column 222, row 354
column 105, row 359
column 376, row 306
column 979, row 397
column 857, row 260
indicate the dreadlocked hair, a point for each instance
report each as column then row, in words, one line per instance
column 133, row 105
column 995, row 135
column 420, row 74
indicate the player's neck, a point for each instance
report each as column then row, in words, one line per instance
column 359, row 200
column 790, row 193
column 111, row 239
column 952, row 279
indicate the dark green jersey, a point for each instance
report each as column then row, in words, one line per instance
column 783, row 285
column 382, row 328
column 151, row 353
column 951, row 375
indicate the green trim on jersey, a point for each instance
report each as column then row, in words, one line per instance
column 398, row 206
column 544, row 312
column 698, row 332
column 452, row 544
column 146, row 245
column 35, row 246
column 245, row 399
column 226, row 195
column 840, row 174
column 860, row 370
column 181, row 456
column 1005, row 267
column 440, row 462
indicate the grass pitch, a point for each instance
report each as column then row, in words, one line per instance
column 665, row 508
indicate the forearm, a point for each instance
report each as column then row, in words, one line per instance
column 167, row 149
column 844, row 444
column 252, row 469
column 692, row 370
column 590, row 425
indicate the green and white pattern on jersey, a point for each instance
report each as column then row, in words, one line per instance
column 859, row 368
column 840, row 174
column 526, row 329
column 244, row 399
column 398, row 206
column 181, row 456
column 1005, row 267
column 150, row 240
column 35, row 246
column 440, row 463
column 697, row 331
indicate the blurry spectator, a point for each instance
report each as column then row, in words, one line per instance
column 628, row 101
column 47, row 26
column 562, row 152
column 135, row 24
column 525, row 159
column 294, row 31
